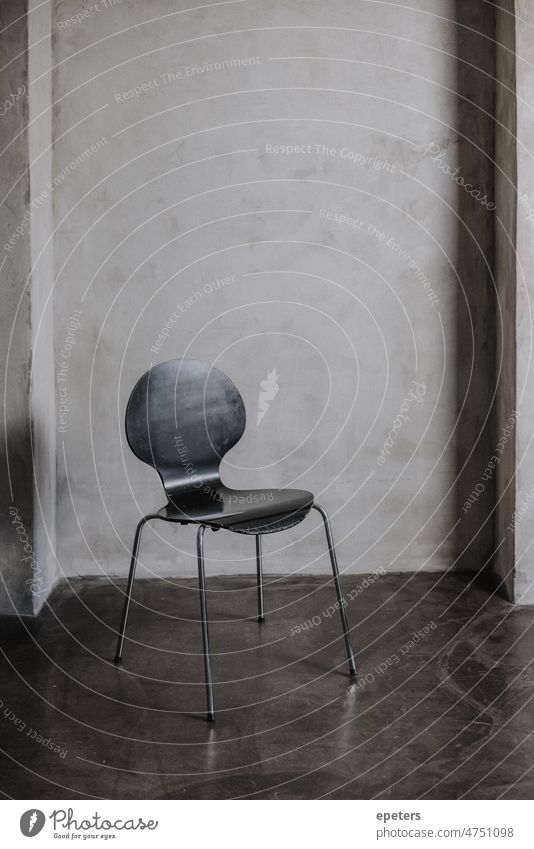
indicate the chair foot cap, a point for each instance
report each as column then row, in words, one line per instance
column 261, row 618
column 353, row 672
column 117, row 661
column 211, row 717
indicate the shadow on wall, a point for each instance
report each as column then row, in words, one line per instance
column 16, row 523
column 476, row 305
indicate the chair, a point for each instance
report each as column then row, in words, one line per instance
column 182, row 417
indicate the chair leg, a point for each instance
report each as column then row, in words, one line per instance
column 259, row 567
column 129, row 587
column 340, row 597
column 204, row 615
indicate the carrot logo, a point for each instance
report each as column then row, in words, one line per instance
column 268, row 392
column 32, row 822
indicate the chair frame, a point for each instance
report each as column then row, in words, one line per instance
column 208, row 670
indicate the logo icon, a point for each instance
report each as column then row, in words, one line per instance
column 268, row 392
column 31, row 822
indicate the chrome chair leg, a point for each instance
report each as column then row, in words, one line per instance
column 259, row 568
column 341, row 600
column 129, row 586
column 204, row 615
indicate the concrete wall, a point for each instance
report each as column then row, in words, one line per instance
column 42, row 303
column 226, row 144
column 521, row 524
column 514, row 560
column 27, row 488
column 16, row 501
column 506, row 282
column 475, row 308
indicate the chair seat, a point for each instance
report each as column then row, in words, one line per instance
column 245, row 511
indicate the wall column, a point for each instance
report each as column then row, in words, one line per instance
column 515, row 284
column 27, row 479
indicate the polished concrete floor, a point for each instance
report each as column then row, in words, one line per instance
column 446, row 714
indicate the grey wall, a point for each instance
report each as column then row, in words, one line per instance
column 520, row 526
column 514, row 269
column 42, row 284
column 475, row 306
column 188, row 180
column 27, row 487
column 15, row 328
column 506, row 281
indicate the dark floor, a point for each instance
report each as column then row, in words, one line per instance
column 447, row 715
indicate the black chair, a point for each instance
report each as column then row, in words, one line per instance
column 182, row 418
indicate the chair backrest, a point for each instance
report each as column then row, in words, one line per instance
column 182, row 417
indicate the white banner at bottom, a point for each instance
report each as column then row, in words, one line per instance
column 310, row 824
